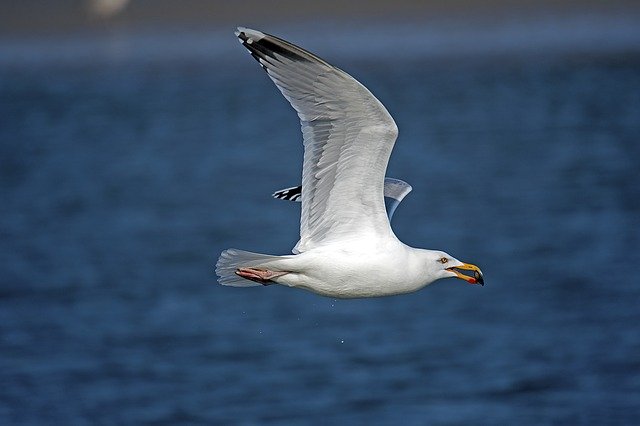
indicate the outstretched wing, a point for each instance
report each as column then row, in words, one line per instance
column 348, row 137
column 394, row 192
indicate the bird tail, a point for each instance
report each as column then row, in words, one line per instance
column 232, row 259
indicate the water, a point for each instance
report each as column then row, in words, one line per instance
column 124, row 176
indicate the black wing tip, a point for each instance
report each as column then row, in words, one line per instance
column 245, row 34
column 259, row 43
column 247, row 37
column 288, row 194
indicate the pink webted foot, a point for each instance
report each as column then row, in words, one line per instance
column 262, row 276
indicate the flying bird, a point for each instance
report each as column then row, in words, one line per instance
column 347, row 248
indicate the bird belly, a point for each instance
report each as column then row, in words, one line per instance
column 344, row 273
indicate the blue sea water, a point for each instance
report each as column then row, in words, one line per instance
column 125, row 172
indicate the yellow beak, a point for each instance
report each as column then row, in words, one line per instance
column 477, row 277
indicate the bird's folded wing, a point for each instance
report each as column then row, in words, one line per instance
column 348, row 137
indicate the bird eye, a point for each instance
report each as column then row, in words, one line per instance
column 443, row 260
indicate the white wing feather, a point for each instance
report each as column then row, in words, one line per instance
column 394, row 192
column 348, row 137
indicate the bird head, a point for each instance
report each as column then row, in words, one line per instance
column 447, row 266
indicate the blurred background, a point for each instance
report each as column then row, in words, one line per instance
column 138, row 140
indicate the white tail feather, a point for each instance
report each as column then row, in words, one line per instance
column 232, row 259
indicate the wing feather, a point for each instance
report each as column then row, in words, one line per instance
column 348, row 137
column 394, row 192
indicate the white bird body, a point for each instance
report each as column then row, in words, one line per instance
column 364, row 268
column 346, row 248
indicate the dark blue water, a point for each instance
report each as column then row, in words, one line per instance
column 123, row 178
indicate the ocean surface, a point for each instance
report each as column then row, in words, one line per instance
column 129, row 162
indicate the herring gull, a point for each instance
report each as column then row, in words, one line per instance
column 347, row 248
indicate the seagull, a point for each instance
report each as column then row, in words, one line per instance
column 347, row 248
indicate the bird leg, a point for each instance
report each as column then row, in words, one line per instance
column 262, row 276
